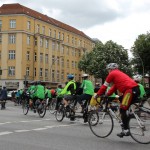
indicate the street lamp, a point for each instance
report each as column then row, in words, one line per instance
column 53, row 64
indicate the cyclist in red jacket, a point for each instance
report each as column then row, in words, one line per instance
column 127, row 86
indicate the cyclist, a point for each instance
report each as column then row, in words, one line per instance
column 69, row 90
column 88, row 92
column 59, row 97
column 137, row 78
column 127, row 86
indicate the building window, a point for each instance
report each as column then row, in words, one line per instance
column 0, row 39
column 41, row 42
column 41, row 72
column 58, row 35
column 67, row 51
column 12, row 23
column 11, row 71
column 58, row 61
column 28, row 40
column 27, row 71
column 35, row 72
column 53, row 59
column 43, row 30
column 62, row 49
column 50, row 32
column 46, row 73
column 28, row 25
column 35, row 41
column 68, row 38
column 62, row 62
column 75, row 41
column 46, row 58
column 53, row 45
column 54, row 33
column 38, row 28
column 28, row 55
column 35, row 57
column 41, row 57
column 72, row 40
column 58, row 46
column 63, row 36
column 46, row 43
column 53, row 75
column 11, row 54
column 12, row 38
column 57, row 76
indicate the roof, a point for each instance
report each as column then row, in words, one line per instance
column 16, row 8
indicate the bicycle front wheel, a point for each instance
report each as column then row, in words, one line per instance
column 140, row 127
column 101, row 123
column 59, row 115
column 25, row 106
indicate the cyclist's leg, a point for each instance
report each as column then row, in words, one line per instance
column 126, row 101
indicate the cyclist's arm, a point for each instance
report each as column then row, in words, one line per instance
column 111, row 90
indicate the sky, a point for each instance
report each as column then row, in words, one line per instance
column 118, row 20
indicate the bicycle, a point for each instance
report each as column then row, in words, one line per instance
column 71, row 112
column 105, row 123
column 39, row 106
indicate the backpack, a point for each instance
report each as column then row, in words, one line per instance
column 79, row 90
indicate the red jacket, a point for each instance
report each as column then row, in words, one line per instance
column 120, row 81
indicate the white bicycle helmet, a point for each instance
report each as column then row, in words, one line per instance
column 112, row 66
column 85, row 75
column 137, row 78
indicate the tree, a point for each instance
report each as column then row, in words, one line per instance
column 141, row 53
column 104, row 54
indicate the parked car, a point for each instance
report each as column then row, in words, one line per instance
column 9, row 93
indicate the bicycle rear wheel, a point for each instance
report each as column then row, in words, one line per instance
column 25, row 106
column 42, row 110
column 52, row 106
column 59, row 115
column 102, row 125
column 140, row 129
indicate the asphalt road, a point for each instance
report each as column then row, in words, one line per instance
column 20, row 132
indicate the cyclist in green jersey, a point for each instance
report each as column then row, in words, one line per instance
column 88, row 92
column 137, row 78
column 69, row 90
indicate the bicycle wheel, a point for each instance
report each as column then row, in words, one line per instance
column 42, row 110
column 59, row 115
column 52, row 106
column 140, row 128
column 93, row 118
column 25, row 107
column 104, row 126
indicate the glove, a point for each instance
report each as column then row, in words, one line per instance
column 95, row 96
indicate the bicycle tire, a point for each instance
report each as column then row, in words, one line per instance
column 105, row 124
column 140, row 134
column 42, row 111
column 52, row 106
column 59, row 115
column 93, row 118
column 25, row 107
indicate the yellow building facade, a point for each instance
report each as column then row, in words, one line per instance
column 34, row 46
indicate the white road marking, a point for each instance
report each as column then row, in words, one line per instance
column 4, row 123
column 24, row 121
column 5, row 133
column 39, row 129
column 19, row 131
